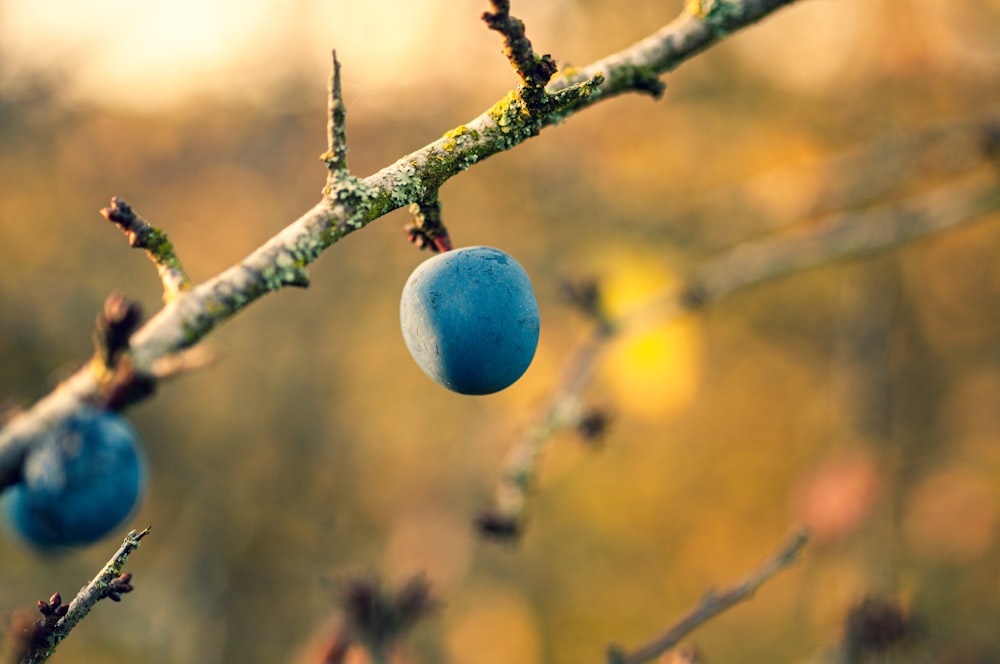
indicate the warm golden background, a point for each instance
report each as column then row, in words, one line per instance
column 862, row 397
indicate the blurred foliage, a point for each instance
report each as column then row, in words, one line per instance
column 860, row 397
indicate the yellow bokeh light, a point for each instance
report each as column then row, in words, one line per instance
column 652, row 368
column 144, row 55
column 148, row 56
column 656, row 372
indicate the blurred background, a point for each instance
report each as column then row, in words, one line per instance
column 862, row 398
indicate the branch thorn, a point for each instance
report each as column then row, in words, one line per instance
column 335, row 156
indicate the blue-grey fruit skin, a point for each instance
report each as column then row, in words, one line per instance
column 79, row 483
column 470, row 319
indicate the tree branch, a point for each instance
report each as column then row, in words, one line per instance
column 350, row 203
column 110, row 582
column 713, row 604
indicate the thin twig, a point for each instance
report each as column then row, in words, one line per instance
column 714, row 603
column 142, row 235
column 109, row 583
column 840, row 236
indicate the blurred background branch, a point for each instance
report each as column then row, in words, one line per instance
column 846, row 235
column 714, row 603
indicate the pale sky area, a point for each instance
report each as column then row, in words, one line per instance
column 159, row 53
column 165, row 51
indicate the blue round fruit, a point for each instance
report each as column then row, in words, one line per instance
column 470, row 319
column 78, row 483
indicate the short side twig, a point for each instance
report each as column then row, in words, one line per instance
column 110, row 582
column 535, row 70
column 142, row 235
column 713, row 604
